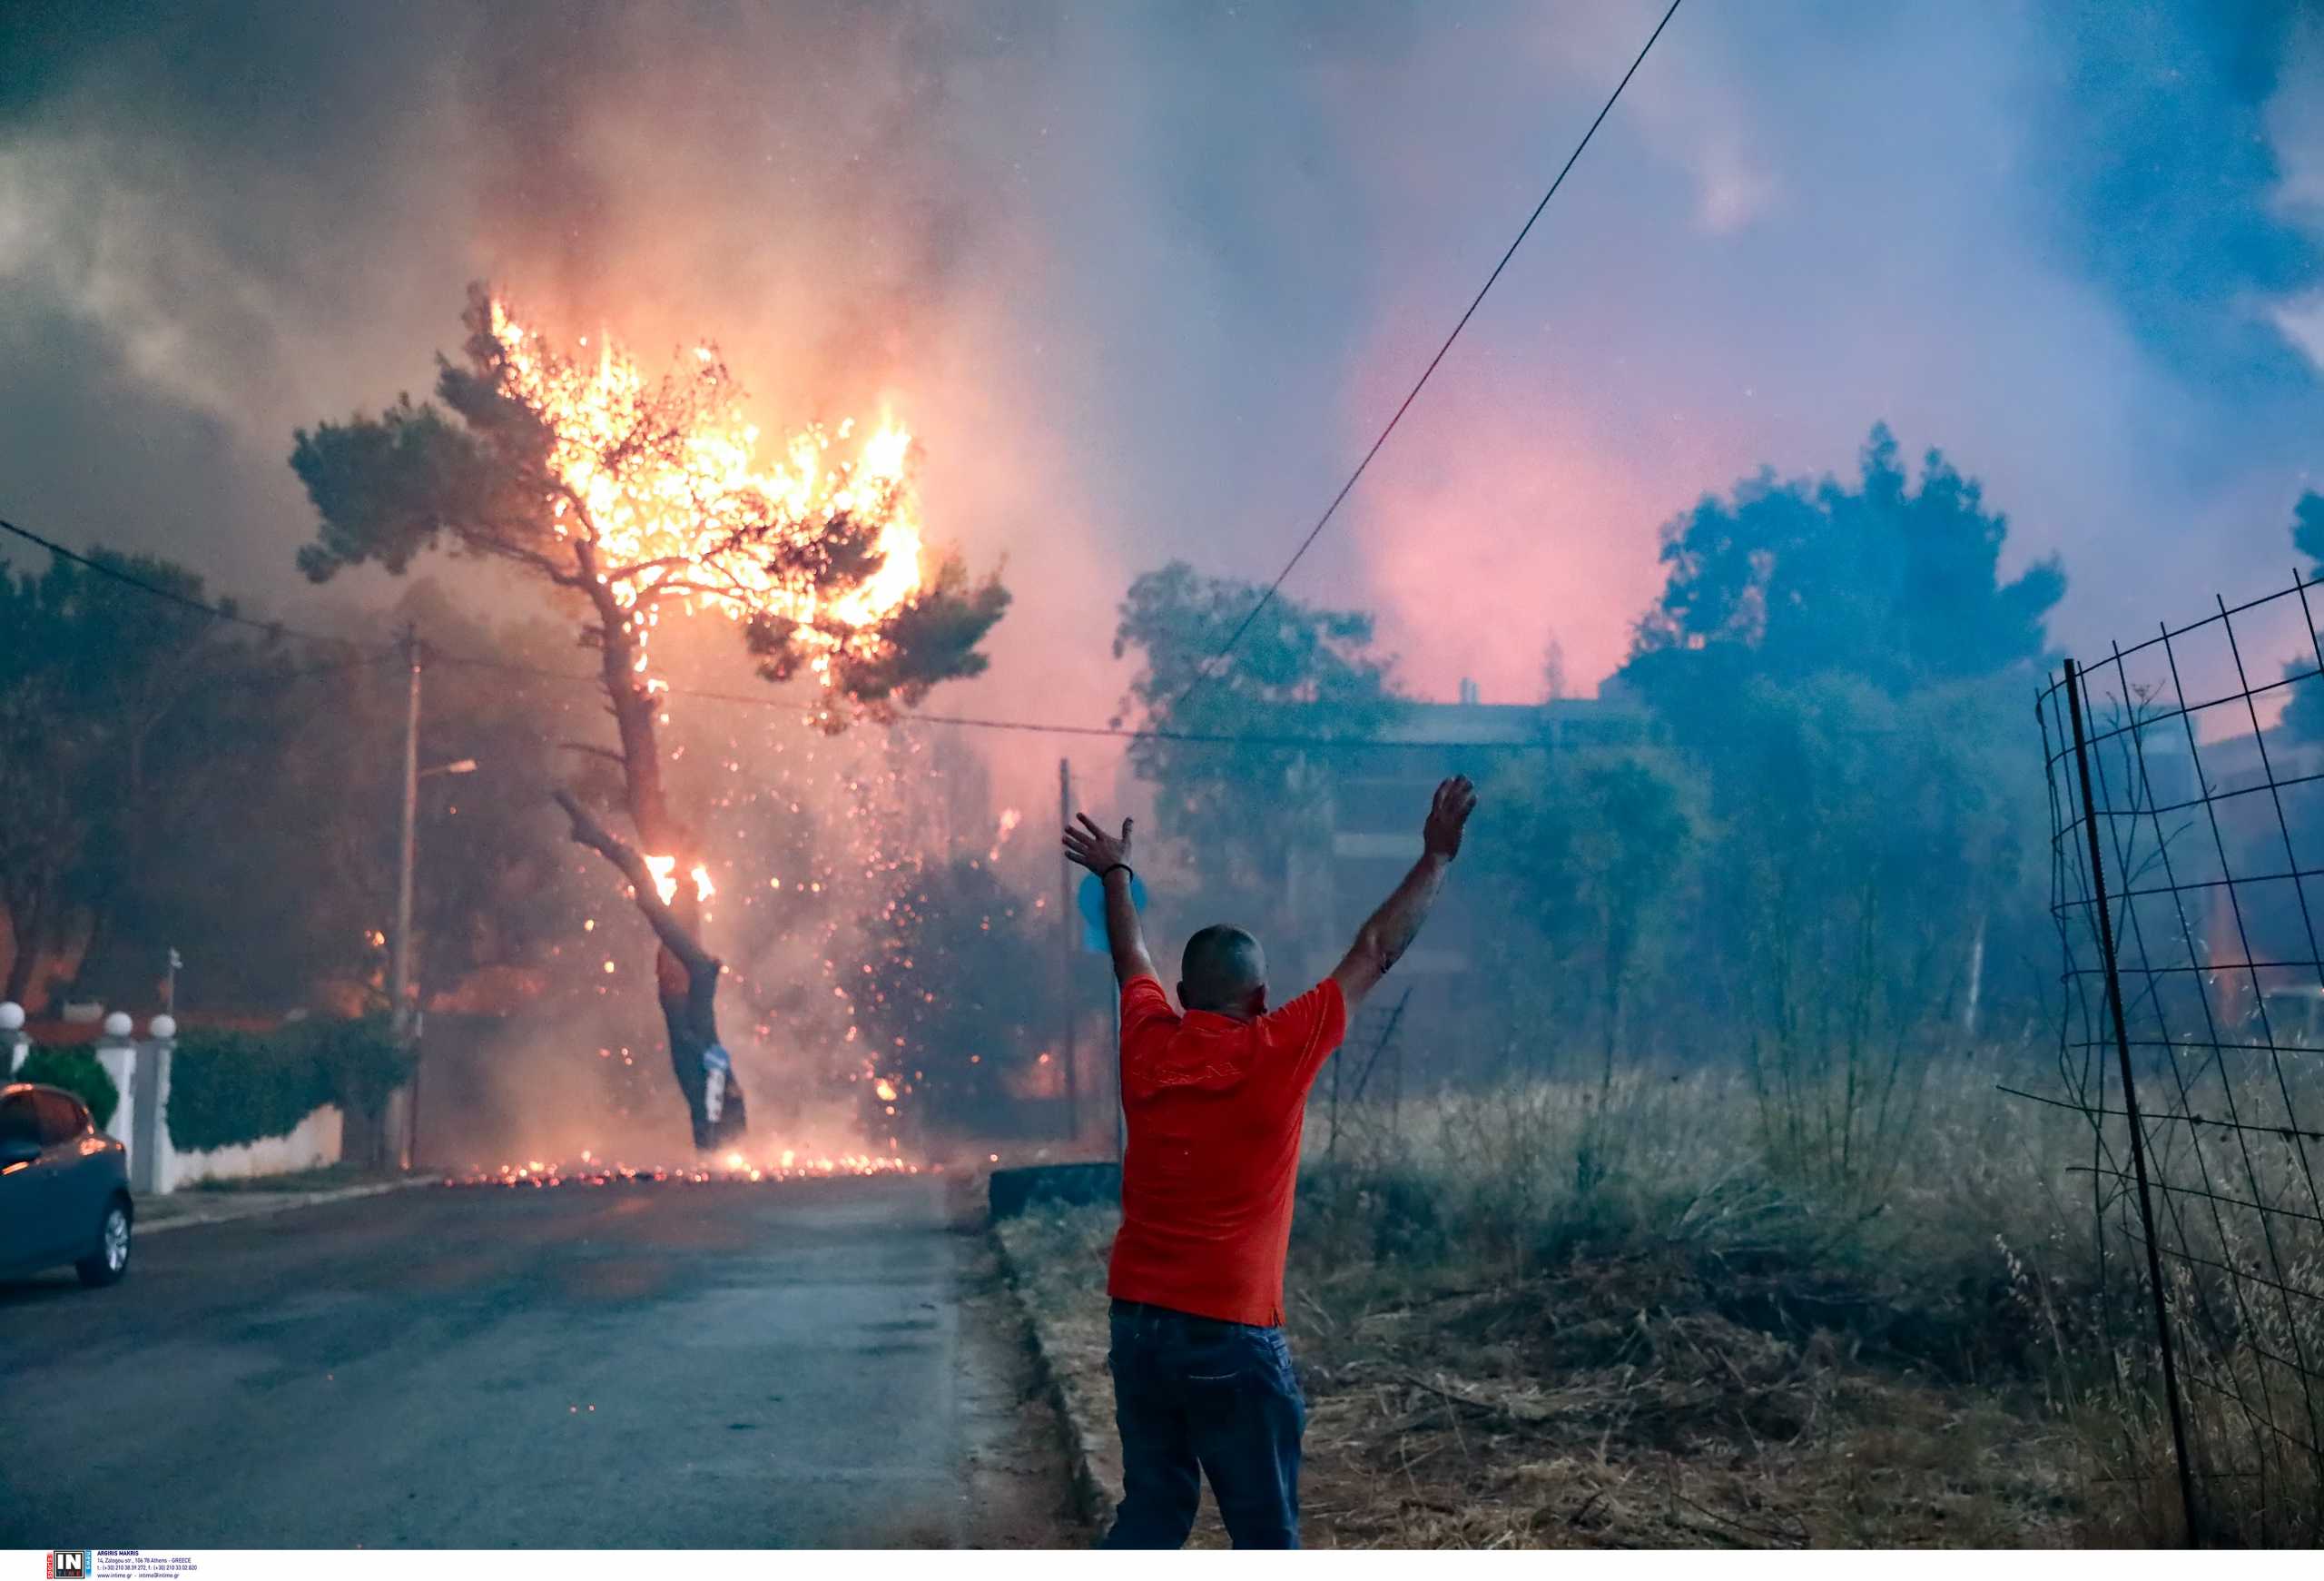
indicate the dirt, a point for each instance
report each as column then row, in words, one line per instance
column 1615, row 1403
column 1019, row 1478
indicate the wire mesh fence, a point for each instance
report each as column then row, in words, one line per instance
column 1371, row 1070
column 2186, row 787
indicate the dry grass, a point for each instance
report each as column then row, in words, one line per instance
column 1538, row 1320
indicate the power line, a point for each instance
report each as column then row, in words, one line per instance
column 509, row 667
column 1033, row 726
column 1220, row 739
column 1208, row 664
column 272, row 628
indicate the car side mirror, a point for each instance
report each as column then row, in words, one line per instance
column 17, row 1152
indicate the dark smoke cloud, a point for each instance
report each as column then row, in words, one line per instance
column 1147, row 277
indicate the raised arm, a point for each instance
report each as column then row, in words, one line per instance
column 1389, row 932
column 1108, row 856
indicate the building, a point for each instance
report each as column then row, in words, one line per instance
column 1374, row 802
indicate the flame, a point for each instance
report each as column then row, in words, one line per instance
column 1009, row 818
column 664, row 483
column 885, row 1089
column 664, row 870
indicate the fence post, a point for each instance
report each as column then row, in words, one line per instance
column 2131, row 1105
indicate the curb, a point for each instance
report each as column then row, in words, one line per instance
column 225, row 1215
column 1094, row 1497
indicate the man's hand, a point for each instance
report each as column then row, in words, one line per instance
column 1108, row 856
column 1091, row 847
column 1384, row 937
column 1456, row 798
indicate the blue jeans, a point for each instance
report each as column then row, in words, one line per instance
column 1195, row 1398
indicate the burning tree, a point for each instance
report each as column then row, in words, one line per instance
column 629, row 498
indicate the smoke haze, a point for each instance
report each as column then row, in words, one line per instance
column 1146, row 278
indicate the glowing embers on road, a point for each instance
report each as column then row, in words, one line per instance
column 729, row 1169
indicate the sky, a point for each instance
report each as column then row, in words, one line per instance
column 1146, row 278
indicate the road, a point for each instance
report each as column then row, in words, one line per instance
column 817, row 1364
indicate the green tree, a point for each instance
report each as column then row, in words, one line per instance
column 114, row 707
column 1587, row 856
column 178, row 781
column 1244, row 812
column 623, row 498
column 1895, row 583
column 1845, row 669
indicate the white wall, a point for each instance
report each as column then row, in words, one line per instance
column 314, row 1142
column 311, row 1145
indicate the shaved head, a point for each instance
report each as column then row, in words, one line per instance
column 1223, row 971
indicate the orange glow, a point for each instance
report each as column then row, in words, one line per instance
column 666, row 879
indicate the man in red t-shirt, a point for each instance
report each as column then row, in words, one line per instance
column 1214, row 1099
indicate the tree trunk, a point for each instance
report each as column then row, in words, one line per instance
column 685, row 976
column 686, row 979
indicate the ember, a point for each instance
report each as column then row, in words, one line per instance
column 734, row 1169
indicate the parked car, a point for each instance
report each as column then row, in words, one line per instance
column 63, row 1187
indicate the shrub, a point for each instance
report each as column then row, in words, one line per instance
column 360, row 1062
column 79, row 1072
column 227, row 1089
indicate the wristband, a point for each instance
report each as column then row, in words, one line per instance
column 1116, row 868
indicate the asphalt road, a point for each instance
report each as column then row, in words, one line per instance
column 816, row 1364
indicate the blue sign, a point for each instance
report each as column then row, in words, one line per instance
column 1091, row 897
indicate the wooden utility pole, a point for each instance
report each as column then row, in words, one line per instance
column 375, row 1143
column 400, row 974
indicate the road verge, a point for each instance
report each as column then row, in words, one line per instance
column 1042, row 1257
column 184, row 1209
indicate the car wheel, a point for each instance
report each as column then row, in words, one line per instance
column 106, row 1265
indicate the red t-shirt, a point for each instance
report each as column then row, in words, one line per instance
column 1215, row 1107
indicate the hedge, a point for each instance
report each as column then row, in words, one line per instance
column 79, row 1072
column 226, row 1089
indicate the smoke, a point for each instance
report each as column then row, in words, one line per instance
column 1146, row 278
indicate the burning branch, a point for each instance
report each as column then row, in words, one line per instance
column 674, row 934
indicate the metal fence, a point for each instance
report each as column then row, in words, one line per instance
column 2186, row 778
column 1370, row 1068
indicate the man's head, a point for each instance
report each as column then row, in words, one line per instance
column 1223, row 971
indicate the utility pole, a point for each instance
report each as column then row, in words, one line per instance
column 400, row 974
column 402, row 1018
column 1065, row 917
